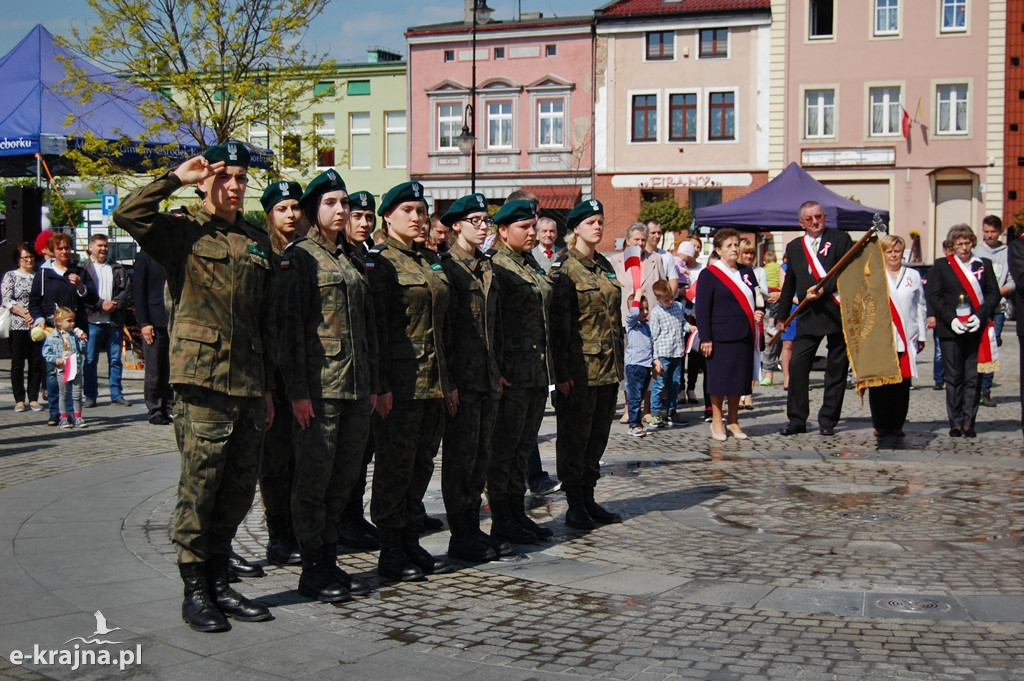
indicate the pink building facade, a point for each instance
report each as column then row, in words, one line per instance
column 896, row 103
column 533, row 112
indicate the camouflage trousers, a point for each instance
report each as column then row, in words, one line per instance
column 520, row 413
column 467, row 451
column 277, row 468
column 328, row 456
column 407, row 442
column 584, row 421
column 220, row 438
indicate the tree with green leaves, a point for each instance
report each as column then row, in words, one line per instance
column 671, row 215
column 219, row 66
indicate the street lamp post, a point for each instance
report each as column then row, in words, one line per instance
column 466, row 141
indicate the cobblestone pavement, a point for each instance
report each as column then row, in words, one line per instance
column 773, row 558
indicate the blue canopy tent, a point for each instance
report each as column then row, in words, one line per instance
column 37, row 117
column 776, row 206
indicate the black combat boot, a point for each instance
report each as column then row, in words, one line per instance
column 577, row 516
column 282, row 548
column 316, row 580
column 242, row 568
column 393, row 563
column 504, row 525
column 517, row 505
column 429, row 564
column 501, row 547
column 355, row 531
column 595, row 510
column 465, row 543
column 229, row 601
column 198, row 609
column 355, row 586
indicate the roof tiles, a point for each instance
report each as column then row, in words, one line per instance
column 641, row 7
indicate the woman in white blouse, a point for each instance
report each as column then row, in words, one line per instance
column 889, row 403
column 15, row 288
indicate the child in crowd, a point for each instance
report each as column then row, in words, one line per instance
column 64, row 352
column 639, row 362
column 668, row 337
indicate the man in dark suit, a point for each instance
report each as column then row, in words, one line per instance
column 1016, row 264
column 151, row 313
column 810, row 257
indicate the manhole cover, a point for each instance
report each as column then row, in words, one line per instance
column 514, row 558
column 870, row 516
column 912, row 605
column 849, row 455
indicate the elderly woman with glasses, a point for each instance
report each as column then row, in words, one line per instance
column 963, row 294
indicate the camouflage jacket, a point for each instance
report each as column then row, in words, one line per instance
column 525, row 298
column 475, row 319
column 219, row 285
column 586, row 320
column 329, row 337
column 410, row 297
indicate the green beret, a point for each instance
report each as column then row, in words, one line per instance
column 407, row 191
column 232, row 152
column 516, row 210
column 327, row 181
column 362, row 200
column 474, row 203
column 581, row 212
column 278, row 192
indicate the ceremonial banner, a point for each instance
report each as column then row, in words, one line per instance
column 867, row 320
column 632, row 263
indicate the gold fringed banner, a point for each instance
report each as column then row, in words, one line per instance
column 867, row 320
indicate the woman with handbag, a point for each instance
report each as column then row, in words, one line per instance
column 15, row 288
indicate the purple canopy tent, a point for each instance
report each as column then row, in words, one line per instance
column 776, row 206
column 35, row 113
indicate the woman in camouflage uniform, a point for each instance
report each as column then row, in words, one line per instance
column 588, row 357
column 329, row 362
column 476, row 358
column 410, row 295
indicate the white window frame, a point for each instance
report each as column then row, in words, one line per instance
column 291, row 128
column 453, row 120
column 698, row 120
column 327, row 132
column 887, row 9
column 504, row 120
column 259, row 133
column 391, row 135
column 715, row 55
column 822, row 108
column 954, row 4
column 891, row 128
column 551, row 116
column 671, row 58
column 358, row 132
column 954, row 106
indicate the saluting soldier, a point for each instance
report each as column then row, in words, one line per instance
column 277, row 469
column 219, row 280
column 330, row 368
column 474, row 314
column 411, row 297
column 525, row 370
column 354, row 530
column 588, row 348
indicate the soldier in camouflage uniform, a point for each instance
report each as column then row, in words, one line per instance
column 410, row 294
column 525, row 370
column 285, row 222
column 476, row 357
column 587, row 341
column 219, row 281
column 330, row 368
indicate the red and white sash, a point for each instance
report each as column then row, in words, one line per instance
column 743, row 295
column 987, row 349
column 907, row 353
column 815, row 265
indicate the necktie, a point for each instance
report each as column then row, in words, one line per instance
column 814, row 246
column 547, row 253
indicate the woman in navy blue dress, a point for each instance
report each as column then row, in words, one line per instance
column 727, row 317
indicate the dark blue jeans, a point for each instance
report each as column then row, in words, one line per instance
column 104, row 338
column 665, row 389
column 938, row 368
column 637, row 379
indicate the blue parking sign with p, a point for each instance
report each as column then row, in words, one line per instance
column 109, row 203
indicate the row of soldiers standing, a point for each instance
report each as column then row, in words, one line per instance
column 393, row 341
